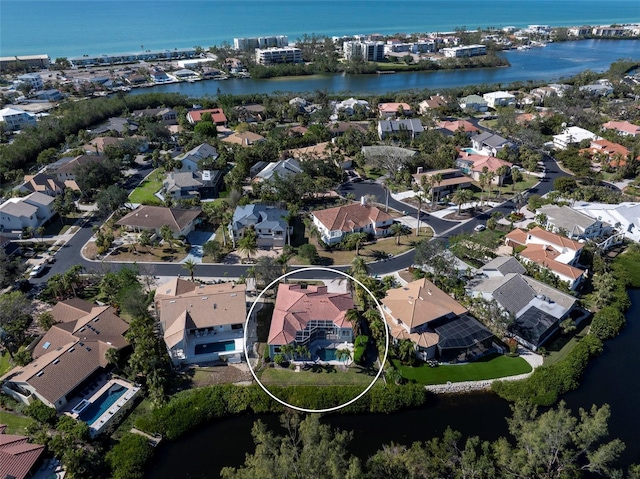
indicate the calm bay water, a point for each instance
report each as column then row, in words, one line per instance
column 611, row 378
column 552, row 62
column 73, row 28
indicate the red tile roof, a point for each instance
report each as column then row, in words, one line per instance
column 456, row 125
column 393, row 107
column 350, row 217
column 624, row 126
column 296, row 306
column 217, row 115
column 480, row 161
column 546, row 256
column 17, row 456
column 555, row 239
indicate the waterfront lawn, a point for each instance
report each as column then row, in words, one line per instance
column 491, row 367
column 15, row 424
column 561, row 346
column 317, row 376
column 144, row 193
column 143, row 408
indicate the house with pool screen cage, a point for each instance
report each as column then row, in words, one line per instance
column 310, row 317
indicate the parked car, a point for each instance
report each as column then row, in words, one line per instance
column 357, row 179
column 37, row 270
column 480, row 228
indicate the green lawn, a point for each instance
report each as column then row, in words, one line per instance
column 15, row 424
column 491, row 368
column 319, row 376
column 145, row 192
column 5, row 363
column 561, row 346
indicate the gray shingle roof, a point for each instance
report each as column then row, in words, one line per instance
column 514, row 293
column 504, row 265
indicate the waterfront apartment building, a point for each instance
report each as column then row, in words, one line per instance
column 608, row 31
column 252, row 43
column 368, row 51
column 270, row 56
column 464, row 51
column 132, row 57
column 32, row 61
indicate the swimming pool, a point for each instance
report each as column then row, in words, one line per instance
column 471, row 151
column 98, row 407
column 215, row 347
column 327, row 354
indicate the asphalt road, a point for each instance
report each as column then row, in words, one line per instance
column 70, row 255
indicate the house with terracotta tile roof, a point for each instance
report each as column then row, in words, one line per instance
column 459, row 125
column 18, row 457
column 474, row 165
column 623, row 128
column 391, row 110
column 217, row 116
column 69, row 356
column 606, row 153
column 202, row 323
column 549, row 250
column 335, row 223
column 181, row 221
column 310, row 317
column 245, row 138
column 436, row 323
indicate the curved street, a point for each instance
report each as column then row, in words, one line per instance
column 70, row 254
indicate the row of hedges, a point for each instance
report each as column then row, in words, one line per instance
column 188, row 409
column 547, row 383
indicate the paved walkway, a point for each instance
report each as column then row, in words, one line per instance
column 196, row 240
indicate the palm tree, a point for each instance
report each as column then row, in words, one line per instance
column 167, row 235
column 248, row 244
column 353, row 316
column 358, row 267
column 461, row 196
column 227, row 218
column 406, row 351
column 190, row 266
column 501, row 172
column 343, row 355
column 40, row 232
column 302, row 351
column 385, row 185
column 420, row 197
column 144, row 239
column 397, row 230
column 283, row 261
column 288, row 350
column 357, row 239
column 112, row 355
column 72, row 278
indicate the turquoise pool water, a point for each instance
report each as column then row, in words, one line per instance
column 471, row 151
column 102, row 404
column 215, row 347
column 327, row 354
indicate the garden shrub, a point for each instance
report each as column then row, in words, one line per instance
column 607, row 323
column 128, row 457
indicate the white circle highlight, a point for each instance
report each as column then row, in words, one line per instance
column 298, row 408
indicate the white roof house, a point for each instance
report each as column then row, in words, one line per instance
column 283, row 168
column 624, row 216
column 30, row 211
column 495, row 99
column 573, row 135
column 15, row 119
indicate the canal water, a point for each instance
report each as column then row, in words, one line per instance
column 611, row 378
column 553, row 62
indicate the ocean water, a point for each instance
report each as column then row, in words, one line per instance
column 73, row 28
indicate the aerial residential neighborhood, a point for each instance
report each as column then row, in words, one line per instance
column 167, row 259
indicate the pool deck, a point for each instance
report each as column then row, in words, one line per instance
column 113, row 413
